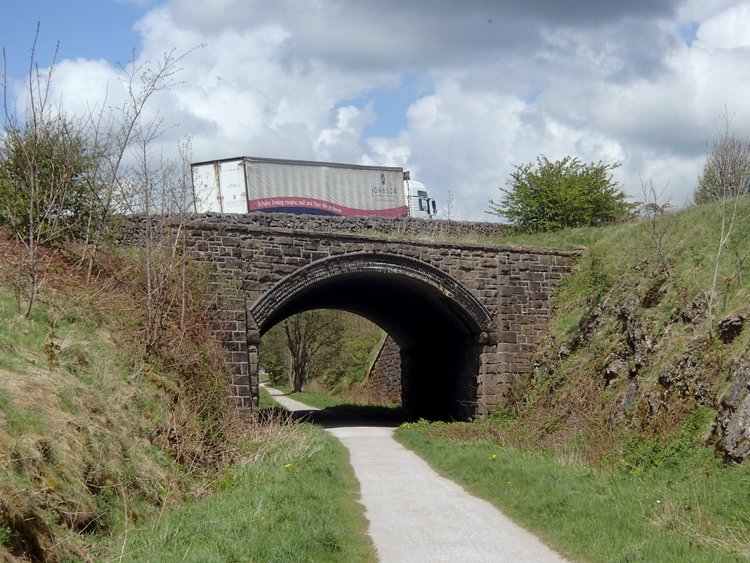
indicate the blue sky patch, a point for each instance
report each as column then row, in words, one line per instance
column 689, row 32
column 84, row 28
column 390, row 105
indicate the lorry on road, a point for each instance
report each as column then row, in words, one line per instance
column 247, row 184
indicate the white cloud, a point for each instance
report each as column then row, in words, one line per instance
column 729, row 29
column 641, row 82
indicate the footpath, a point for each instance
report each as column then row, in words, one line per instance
column 415, row 515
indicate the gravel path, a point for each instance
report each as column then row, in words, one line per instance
column 416, row 515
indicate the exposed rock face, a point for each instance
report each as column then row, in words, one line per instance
column 636, row 334
column 687, row 379
column 731, row 326
column 733, row 419
column 695, row 312
column 616, row 368
column 628, row 400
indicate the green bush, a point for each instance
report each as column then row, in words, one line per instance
column 548, row 196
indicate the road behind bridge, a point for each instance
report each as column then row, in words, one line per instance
column 414, row 514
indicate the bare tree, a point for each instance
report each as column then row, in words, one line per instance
column 449, row 208
column 727, row 167
column 129, row 175
column 42, row 157
column 655, row 210
column 112, row 133
column 307, row 334
column 730, row 179
column 159, row 190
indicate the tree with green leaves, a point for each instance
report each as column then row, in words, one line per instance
column 42, row 193
column 308, row 335
column 547, row 195
column 336, row 348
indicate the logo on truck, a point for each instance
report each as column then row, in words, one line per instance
column 384, row 190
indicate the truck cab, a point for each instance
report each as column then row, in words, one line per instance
column 418, row 201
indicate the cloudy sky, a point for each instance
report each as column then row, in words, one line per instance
column 457, row 92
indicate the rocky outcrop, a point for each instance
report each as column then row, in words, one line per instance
column 731, row 326
column 732, row 428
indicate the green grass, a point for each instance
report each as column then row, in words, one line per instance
column 18, row 421
column 293, row 503
column 317, row 400
column 685, row 507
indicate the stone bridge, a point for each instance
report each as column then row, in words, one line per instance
column 466, row 316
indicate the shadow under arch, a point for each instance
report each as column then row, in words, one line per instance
column 437, row 322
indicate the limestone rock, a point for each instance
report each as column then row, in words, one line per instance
column 733, row 419
column 694, row 313
column 731, row 326
column 617, row 368
column 630, row 397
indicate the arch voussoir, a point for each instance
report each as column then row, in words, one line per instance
column 371, row 263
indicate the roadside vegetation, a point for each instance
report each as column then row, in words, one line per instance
column 295, row 500
column 623, row 424
column 678, row 506
column 94, row 433
column 107, row 452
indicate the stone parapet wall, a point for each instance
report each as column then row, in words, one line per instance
column 381, row 225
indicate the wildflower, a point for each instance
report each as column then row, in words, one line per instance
column 287, row 466
column 493, row 457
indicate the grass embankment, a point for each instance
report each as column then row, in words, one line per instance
column 293, row 502
column 92, row 435
column 688, row 509
column 609, row 444
column 100, row 442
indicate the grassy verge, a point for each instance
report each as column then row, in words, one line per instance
column 317, row 400
column 293, row 502
column 679, row 506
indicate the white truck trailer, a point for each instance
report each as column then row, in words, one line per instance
column 246, row 184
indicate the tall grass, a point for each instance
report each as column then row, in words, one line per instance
column 292, row 501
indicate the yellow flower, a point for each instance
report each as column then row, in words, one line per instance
column 287, row 466
column 493, row 457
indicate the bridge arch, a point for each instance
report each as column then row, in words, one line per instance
column 440, row 326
